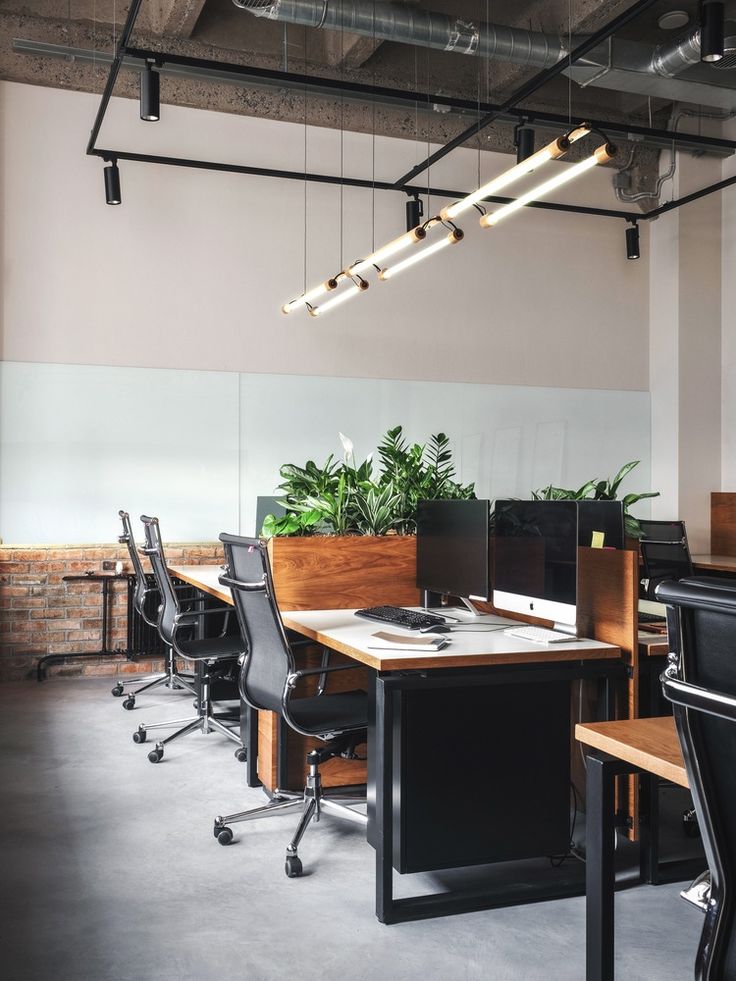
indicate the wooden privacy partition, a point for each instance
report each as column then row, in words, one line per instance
column 723, row 523
column 331, row 573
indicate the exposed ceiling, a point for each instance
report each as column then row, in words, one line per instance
column 220, row 31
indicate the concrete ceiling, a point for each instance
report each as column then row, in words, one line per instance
column 216, row 29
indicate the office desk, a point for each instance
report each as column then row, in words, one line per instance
column 648, row 746
column 457, row 772
column 714, row 563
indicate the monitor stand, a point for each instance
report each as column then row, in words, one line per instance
column 473, row 609
column 432, row 602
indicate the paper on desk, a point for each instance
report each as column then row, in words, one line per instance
column 382, row 640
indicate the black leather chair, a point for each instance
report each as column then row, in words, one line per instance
column 209, row 654
column 664, row 552
column 268, row 678
column 144, row 597
column 700, row 681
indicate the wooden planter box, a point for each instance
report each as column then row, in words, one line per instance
column 330, row 572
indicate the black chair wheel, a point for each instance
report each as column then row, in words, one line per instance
column 156, row 755
column 690, row 826
column 293, row 866
column 117, row 691
column 225, row 836
column 129, row 702
column 241, row 755
column 139, row 736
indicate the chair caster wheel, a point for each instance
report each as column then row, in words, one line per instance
column 129, row 702
column 241, row 755
column 293, row 866
column 117, row 691
column 225, row 836
column 139, row 736
column 156, row 755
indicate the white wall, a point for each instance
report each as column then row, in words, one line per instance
column 191, row 270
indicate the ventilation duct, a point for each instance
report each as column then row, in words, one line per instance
column 671, row 71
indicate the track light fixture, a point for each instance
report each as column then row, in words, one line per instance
column 112, row 183
column 414, row 212
column 632, row 241
column 552, row 151
column 150, row 100
column 456, row 235
column 602, row 155
column 524, row 142
column 712, row 30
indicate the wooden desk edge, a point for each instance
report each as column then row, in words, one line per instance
column 603, row 736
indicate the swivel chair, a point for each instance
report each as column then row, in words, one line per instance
column 142, row 596
column 664, row 552
column 700, row 681
column 268, row 678
column 208, row 653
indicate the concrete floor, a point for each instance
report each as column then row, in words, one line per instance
column 109, row 870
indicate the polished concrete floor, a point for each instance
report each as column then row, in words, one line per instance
column 109, row 870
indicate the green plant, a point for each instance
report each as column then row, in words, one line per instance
column 343, row 498
column 601, row 490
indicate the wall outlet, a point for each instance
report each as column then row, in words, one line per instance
column 108, row 565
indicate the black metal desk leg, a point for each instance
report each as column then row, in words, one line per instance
column 384, row 802
column 649, row 828
column 599, row 867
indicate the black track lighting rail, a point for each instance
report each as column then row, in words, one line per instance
column 509, row 110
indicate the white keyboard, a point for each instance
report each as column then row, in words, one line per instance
column 539, row 635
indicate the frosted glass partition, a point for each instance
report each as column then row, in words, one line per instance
column 198, row 447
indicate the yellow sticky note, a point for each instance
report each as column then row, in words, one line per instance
column 597, row 539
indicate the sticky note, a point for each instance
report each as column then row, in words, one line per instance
column 597, row 539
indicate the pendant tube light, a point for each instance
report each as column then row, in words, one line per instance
column 150, row 94
column 712, row 30
column 386, row 251
column 313, row 294
column 112, row 183
column 352, row 290
column 553, row 151
column 602, row 155
column 455, row 236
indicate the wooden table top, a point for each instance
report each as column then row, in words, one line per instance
column 716, row 563
column 650, row 744
column 477, row 646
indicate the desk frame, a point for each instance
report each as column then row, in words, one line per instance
column 387, row 686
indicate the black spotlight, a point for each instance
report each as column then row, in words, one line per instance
column 150, row 102
column 414, row 212
column 524, row 142
column 712, row 30
column 112, row 183
column 632, row 242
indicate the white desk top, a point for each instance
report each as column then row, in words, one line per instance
column 342, row 631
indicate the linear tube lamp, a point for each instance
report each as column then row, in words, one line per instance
column 360, row 287
column 553, row 151
column 455, row 236
column 313, row 294
column 602, row 155
column 386, row 251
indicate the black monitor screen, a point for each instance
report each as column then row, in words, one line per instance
column 536, row 549
column 605, row 518
column 452, row 547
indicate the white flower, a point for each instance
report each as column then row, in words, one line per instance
column 347, row 445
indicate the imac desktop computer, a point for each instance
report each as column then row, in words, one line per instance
column 452, row 549
column 535, row 569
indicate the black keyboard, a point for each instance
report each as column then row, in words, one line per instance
column 397, row 616
column 650, row 618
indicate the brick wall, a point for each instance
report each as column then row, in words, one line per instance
column 40, row 614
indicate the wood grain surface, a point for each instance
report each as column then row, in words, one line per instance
column 650, row 744
column 722, row 523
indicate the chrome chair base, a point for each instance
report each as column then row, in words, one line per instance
column 698, row 892
column 171, row 679
column 312, row 802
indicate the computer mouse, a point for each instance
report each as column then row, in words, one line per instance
column 436, row 628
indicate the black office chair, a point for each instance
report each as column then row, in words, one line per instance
column 144, row 597
column 700, row 681
column 268, row 678
column 664, row 552
column 173, row 624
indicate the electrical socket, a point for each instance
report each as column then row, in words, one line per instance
column 108, row 565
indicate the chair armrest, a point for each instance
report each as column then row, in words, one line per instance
column 295, row 677
column 695, row 697
column 187, row 616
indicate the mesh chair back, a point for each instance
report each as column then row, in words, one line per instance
column 269, row 660
column 665, row 560
column 169, row 604
column 140, row 590
column 662, row 531
column 701, row 681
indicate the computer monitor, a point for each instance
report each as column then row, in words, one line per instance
column 601, row 524
column 662, row 531
column 266, row 506
column 535, row 568
column 452, row 548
